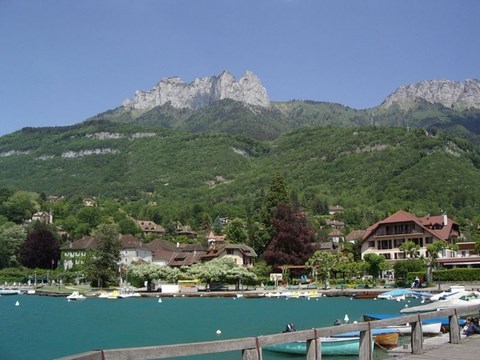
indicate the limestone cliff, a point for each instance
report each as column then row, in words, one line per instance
column 201, row 92
column 453, row 94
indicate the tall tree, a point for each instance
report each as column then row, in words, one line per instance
column 375, row 264
column 41, row 249
column 322, row 263
column 276, row 195
column 291, row 243
column 11, row 238
column 235, row 232
column 102, row 262
column 434, row 250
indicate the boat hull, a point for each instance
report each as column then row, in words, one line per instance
column 387, row 340
column 328, row 346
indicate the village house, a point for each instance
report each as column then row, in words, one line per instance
column 43, row 216
column 386, row 236
column 133, row 250
column 149, row 227
column 73, row 254
column 241, row 254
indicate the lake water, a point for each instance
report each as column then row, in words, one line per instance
column 43, row 327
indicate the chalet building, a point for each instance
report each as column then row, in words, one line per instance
column 186, row 255
column 335, row 224
column 385, row 237
column 149, row 227
column 243, row 255
column 335, row 236
column 43, row 216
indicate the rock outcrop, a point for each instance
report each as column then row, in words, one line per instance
column 454, row 94
column 201, row 92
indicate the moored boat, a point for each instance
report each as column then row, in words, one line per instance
column 387, row 340
column 329, row 346
column 456, row 300
column 6, row 291
column 426, row 328
column 76, row 296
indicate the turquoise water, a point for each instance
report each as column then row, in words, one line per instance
column 44, row 327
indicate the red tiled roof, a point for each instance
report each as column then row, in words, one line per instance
column 130, row 242
column 355, row 235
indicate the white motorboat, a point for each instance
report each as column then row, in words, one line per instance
column 444, row 294
column 76, row 296
column 455, row 300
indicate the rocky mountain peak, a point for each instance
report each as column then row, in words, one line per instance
column 453, row 94
column 201, row 92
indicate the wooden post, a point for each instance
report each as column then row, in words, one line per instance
column 314, row 350
column 454, row 329
column 417, row 337
column 251, row 354
column 366, row 351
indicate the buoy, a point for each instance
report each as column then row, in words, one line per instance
column 17, row 304
column 159, row 300
column 218, row 332
column 346, row 319
column 406, row 305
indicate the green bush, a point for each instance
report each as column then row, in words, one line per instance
column 460, row 274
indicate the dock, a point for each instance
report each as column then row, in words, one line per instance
column 439, row 348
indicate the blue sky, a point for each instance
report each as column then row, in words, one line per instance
column 64, row 61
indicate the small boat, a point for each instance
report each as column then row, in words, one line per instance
column 366, row 295
column 444, row 294
column 387, row 340
column 76, row 296
column 429, row 326
column 402, row 294
column 6, row 291
column 455, row 300
column 384, row 337
column 129, row 295
column 330, row 346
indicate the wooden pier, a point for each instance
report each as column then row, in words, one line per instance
column 440, row 349
column 251, row 348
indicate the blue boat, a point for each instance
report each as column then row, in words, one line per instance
column 330, row 346
column 443, row 320
column 401, row 294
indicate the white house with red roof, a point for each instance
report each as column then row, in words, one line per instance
column 386, row 236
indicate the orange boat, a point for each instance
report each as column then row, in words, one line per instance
column 387, row 340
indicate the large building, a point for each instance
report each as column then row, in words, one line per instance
column 386, row 236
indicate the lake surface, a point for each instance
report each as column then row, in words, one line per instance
column 43, row 327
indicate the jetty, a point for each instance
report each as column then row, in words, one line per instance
column 251, row 348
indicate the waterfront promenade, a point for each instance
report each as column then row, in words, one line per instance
column 439, row 348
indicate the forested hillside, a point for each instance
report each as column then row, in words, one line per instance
column 365, row 169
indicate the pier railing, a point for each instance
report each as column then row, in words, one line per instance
column 251, row 347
